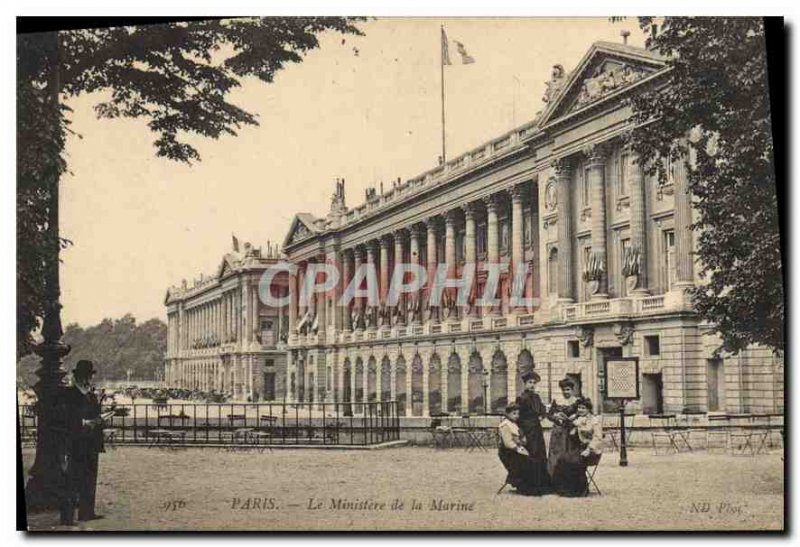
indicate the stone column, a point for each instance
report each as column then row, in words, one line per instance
column 492, row 242
column 517, row 256
column 683, row 227
column 465, row 385
column 321, row 311
column 302, row 306
column 426, row 391
column 450, row 219
column 638, row 219
column 256, row 307
column 535, row 277
column 384, row 268
column 353, row 385
column 563, row 170
column 433, row 227
column 237, row 315
column 293, row 302
column 358, row 261
column 246, row 303
column 347, row 276
column 371, row 252
column 444, row 364
column 414, row 241
column 393, row 379
column 409, row 394
column 378, row 376
column 596, row 165
column 470, row 252
column 232, row 317
column 399, row 239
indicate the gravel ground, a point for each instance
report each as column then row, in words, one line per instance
column 214, row 489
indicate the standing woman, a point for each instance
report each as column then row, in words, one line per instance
column 564, row 462
column 531, row 412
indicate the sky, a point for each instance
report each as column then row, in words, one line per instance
column 367, row 110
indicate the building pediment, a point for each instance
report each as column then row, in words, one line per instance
column 303, row 227
column 606, row 71
column 227, row 266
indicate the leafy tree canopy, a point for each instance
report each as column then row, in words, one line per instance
column 178, row 76
column 713, row 112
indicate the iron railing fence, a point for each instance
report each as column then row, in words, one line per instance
column 244, row 423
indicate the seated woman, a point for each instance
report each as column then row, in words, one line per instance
column 589, row 432
column 522, row 471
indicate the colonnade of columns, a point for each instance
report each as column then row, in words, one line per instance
column 231, row 315
column 488, row 230
column 595, row 159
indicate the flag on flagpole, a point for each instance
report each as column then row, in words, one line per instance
column 445, row 49
column 466, row 59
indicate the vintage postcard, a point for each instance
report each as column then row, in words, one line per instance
column 400, row 274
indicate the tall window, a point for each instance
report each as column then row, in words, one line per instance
column 586, row 194
column 481, row 238
column 267, row 334
column 552, row 271
column 668, row 272
column 715, row 374
column 460, row 249
column 505, row 236
column 623, row 174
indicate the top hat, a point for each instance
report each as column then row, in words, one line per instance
column 83, row 368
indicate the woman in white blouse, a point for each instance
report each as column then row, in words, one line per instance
column 515, row 457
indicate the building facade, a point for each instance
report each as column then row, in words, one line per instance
column 221, row 336
column 609, row 253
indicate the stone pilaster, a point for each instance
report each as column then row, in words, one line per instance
column 683, row 226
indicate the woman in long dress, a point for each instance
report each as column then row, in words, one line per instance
column 564, row 462
column 531, row 413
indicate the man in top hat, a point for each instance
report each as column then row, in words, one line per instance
column 84, row 443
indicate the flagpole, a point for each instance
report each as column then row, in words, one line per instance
column 441, row 64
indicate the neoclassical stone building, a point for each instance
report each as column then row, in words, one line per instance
column 610, row 256
column 222, row 337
